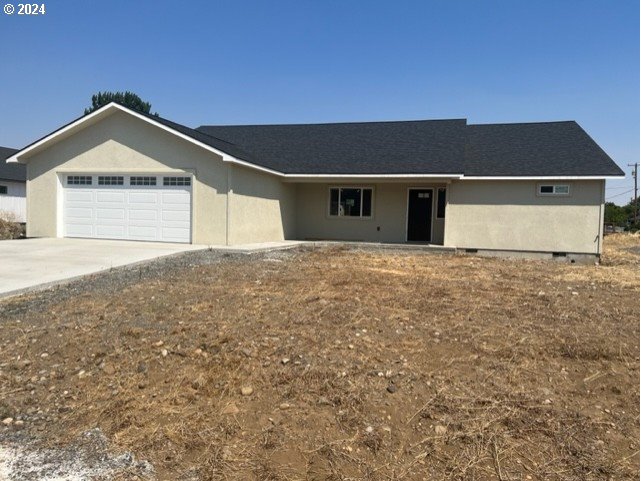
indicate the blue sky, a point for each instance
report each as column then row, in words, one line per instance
column 235, row 62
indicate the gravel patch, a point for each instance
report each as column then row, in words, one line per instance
column 120, row 277
column 88, row 458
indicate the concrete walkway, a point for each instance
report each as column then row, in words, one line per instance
column 259, row 247
column 29, row 264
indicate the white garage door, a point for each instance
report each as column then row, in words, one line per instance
column 133, row 207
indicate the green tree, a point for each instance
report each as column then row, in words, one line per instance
column 630, row 211
column 127, row 99
column 615, row 214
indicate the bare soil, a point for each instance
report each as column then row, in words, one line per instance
column 362, row 365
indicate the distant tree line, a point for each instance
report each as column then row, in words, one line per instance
column 622, row 216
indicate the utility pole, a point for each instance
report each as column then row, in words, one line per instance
column 636, row 190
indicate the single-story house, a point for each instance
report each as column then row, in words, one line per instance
column 13, row 178
column 523, row 188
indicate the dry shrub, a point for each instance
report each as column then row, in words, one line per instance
column 10, row 228
column 621, row 249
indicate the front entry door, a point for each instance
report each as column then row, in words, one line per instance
column 419, row 215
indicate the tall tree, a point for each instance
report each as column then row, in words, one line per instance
column 622, row 216
column 615, row 214
column 128, row 99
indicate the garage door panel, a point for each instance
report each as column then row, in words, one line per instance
column 111, row 231
column 143, row 197
column 174, row 234
column 78, row 196
column 173, row 197
column 149, row 213
column 143, row 233
column 79, row 213
column 175, row 215
column 175, row 208
column 110, row 214
column 143, row 214
column 79, row 230
column 107, row 196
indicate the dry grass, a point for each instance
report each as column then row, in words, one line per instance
column 503, row 369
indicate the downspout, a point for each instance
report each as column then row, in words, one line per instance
column 601, row 219
column 230, row 192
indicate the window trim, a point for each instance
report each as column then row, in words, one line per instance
column 554, row 185
column 352, row 217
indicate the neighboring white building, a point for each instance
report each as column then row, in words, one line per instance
column 13, row 192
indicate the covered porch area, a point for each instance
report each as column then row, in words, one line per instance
column 386, row 211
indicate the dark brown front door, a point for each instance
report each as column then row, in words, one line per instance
column 419, row 215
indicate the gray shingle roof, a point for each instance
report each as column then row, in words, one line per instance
column 421, row 147
column 13, row 171
column 406, row 147
column 413, row 147
column 535, row 149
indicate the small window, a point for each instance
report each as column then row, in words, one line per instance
column 78, row 180
column 142, row 180
column 440, row 204
column 3, row 190
column 176, row 181
column 111, row 180
column 350, row 202
column 554, row 189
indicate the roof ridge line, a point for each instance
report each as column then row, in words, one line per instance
column 337, row 123
column 525, row 123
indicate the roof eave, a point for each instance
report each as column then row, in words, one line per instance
column 542, row 177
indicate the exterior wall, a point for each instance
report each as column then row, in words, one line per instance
column 261, row 207
column 122, row 143
column 389, row 214
column 14, row 201
column 509, row 215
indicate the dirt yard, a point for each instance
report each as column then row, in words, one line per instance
column 334, row 364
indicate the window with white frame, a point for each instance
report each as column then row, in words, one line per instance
column 350, row 201
column 142, row 180
column 111, row 180
column 78, row 180
column 176, row 181
column 553, row 189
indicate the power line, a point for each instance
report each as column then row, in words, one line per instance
column 617, row 195
column 636, row 189
column 614, row 188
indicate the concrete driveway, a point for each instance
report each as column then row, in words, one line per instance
column 34, row 263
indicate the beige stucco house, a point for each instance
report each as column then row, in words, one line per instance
column 525, row 189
